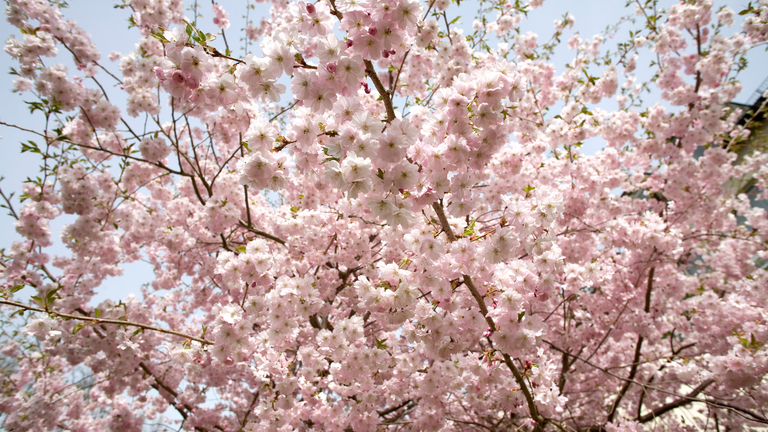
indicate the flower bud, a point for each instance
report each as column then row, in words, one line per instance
column 177, row 76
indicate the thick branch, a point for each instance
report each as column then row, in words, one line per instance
column 371, row 72
column 676, row 404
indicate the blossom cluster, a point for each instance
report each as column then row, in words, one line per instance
column 381, row 220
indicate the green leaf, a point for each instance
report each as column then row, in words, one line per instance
column 51, row 296
column 329, row 159
column 161, row 37
column 380, row 344
column 470, row 230
column 16, row 288
column 97, row 312
column 240, row 249
column 189, row 29
column 37, row 299
column 31, row 146
column 520, row 316
column 78, row 327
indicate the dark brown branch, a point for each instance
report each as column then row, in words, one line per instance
column 394, row 408
column 260, row 233
column 470, row 423
column 541, row 421
column 757, row 418
column 248, row 412
column 658, row 412
column 638, row 348
column 371, row 72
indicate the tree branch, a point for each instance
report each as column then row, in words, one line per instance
column 685, row 400
column 371, row 72
column 438, row 207
column 638, row 348
column 260, row 233
column 94, row 320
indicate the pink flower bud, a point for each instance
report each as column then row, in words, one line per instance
column 372, row 30
column 385, row 54
column 177, row 76
column 331, row 67
column 311, row 8
column 349, row 43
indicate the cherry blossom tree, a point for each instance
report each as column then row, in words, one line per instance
column 382, row 222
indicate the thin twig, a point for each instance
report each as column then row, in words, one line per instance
column 104, row 321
